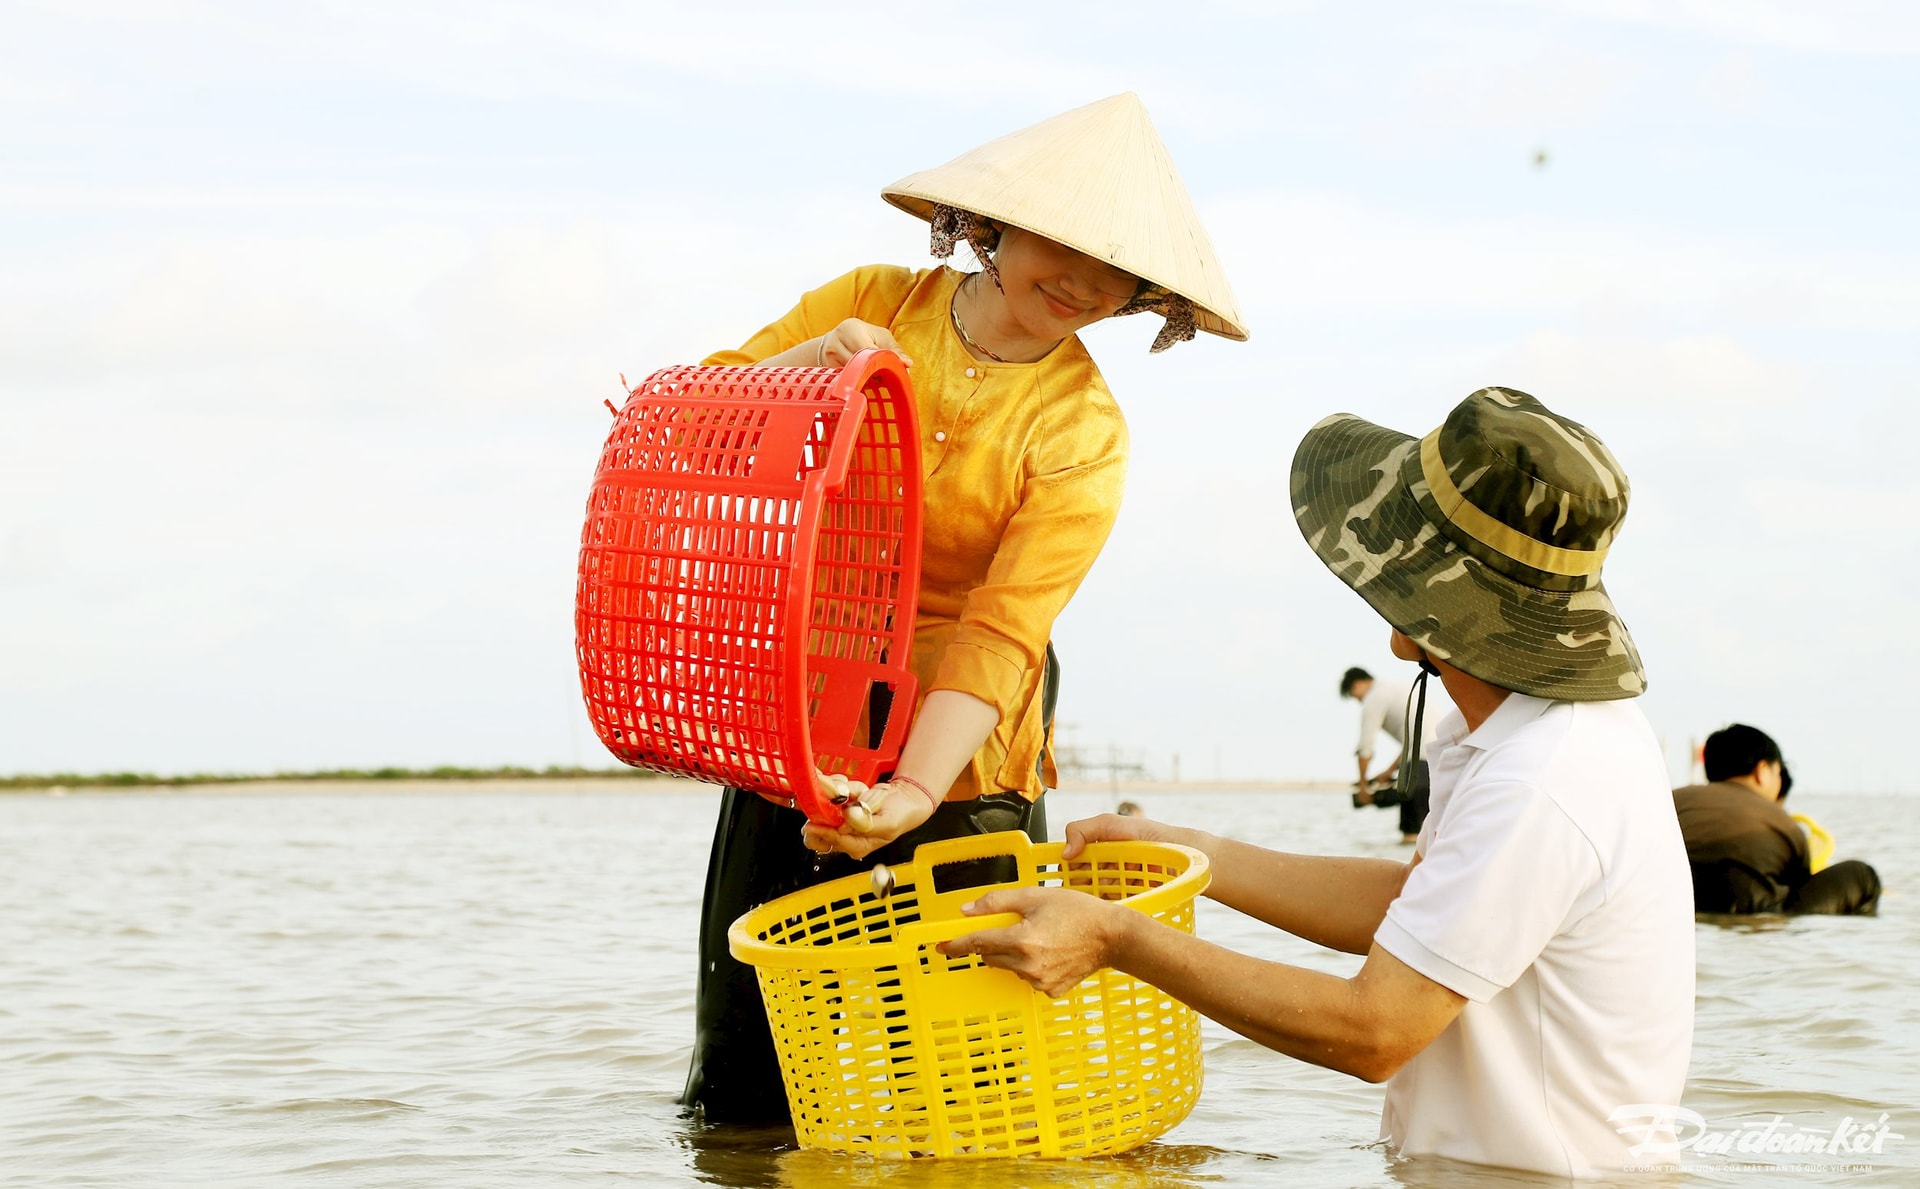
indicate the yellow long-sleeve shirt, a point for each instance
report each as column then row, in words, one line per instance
column 1024, row 465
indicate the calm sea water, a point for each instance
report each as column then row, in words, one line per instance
column 494, row 987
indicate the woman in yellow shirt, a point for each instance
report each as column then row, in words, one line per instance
column 1024, row 451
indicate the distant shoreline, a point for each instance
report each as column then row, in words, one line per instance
column 1205, row 786
column 406, row 780
column 111, row 781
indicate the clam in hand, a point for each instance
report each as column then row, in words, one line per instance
column 837, row 790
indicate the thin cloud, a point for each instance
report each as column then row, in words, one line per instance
column 1860, row 27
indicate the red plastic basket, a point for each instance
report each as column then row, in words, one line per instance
column 749, row 570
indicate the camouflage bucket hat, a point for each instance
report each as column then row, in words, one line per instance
column 1481, row 541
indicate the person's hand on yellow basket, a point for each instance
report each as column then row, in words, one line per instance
column 1061, row 938
column 876, row 815
column 1114, row 827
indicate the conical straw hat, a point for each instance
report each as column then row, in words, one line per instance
column 1099, row 180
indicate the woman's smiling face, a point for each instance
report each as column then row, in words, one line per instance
column 1052, row 290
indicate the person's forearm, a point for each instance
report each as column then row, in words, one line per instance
column 1368, row 1025
column 805, row 354
column 1337, row 902
column 1315, row 1017
column 946, row 735
column 1364, row 761
column 1334, row 901
column 837, row 346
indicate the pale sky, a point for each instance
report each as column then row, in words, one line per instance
column 307, row 313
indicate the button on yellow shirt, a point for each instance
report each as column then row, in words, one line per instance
column 1024, row 467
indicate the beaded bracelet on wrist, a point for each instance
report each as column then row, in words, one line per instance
column 927, row 792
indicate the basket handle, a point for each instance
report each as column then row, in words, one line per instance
column 939, row 853
column 1011, row 844
column 1194, row 880
column 833, row 727
column 850, row 386
column 921, row 934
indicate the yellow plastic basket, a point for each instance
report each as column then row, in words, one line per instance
column 892, row 1049
column 1819, row 843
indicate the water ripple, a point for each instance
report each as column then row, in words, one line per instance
column 495, row 989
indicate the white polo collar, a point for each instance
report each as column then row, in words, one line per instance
column 1515, row 712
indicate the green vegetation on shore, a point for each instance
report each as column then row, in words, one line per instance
column 124, row 780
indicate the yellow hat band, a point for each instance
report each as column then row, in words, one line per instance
column 1502, row 538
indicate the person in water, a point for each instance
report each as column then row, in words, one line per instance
column 1531, row 970
column 1384, row 706
column 1746, row 852
column 1075, row 220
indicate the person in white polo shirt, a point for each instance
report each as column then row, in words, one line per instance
column 1385, row 705
column 1529, row 973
